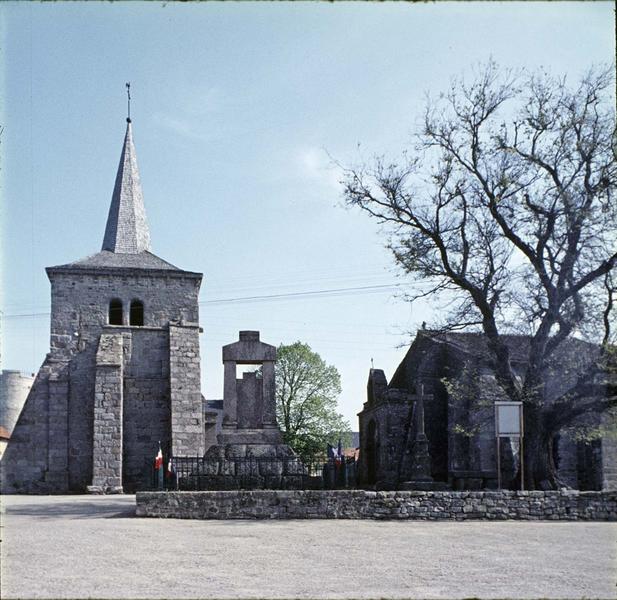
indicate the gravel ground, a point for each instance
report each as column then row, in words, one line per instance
column 94, row 547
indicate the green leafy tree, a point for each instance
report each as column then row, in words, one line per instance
column 306, row 394
column 505, row 211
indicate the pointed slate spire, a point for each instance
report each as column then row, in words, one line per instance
column 127, row 229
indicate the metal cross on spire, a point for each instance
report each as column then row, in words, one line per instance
column 128, row 93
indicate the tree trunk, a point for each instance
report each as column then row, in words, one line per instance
column 540, row 472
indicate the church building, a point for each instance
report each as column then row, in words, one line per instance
column 123, row 371
column 432, row 426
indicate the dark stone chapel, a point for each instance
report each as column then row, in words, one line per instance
column 416, row 434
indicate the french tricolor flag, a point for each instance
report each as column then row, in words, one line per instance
column 158, row 461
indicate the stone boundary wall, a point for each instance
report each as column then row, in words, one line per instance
column 359, row 504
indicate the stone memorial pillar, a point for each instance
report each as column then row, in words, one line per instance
column 249, row 404
column 421, row 462
column 230, row 403
column 415, row 473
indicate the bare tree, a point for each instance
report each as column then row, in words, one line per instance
column 506, row 208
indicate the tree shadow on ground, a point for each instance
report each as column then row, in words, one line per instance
column 74, row 510
column 114, row 508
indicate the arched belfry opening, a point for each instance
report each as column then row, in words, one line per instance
column 137, row 313
column 115, row 312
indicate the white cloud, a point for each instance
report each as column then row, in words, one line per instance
column 184, row 127
column 200, row 100
column 194, row 117
column 314, row 164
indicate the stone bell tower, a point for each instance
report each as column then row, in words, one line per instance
column 123, row 371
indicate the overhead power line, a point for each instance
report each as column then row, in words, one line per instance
column 366, row 289
column 313, row 293
column 46, row 314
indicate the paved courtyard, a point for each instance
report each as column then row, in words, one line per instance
column 94, row 547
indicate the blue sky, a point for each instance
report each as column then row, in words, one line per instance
column 237, row 109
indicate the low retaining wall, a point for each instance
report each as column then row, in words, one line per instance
column 360, row 504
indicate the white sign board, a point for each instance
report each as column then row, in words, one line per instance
column 508, row 419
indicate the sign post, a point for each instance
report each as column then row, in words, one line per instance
column 509, row 423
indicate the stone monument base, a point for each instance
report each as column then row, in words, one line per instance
column 250, row 451
column 105, row 489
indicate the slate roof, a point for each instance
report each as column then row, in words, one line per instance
column 105, row 258
column 476, row 343
column 127, row 227
column 212, row 404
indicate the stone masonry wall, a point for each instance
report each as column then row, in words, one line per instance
column 185, row 387
column 14, row 389
column 146, row 402
column 390, row 420
column 57, row 475
column 51, row 447
column 82, row 372
column 107, row 432
column 609, row 463
column 80, row 303
column 360, row 504
column 79, row 315
column 25, row 461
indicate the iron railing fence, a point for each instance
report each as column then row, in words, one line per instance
column 199, row 473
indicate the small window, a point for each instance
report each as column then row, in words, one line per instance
column 137, row 313
column 115, row 312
